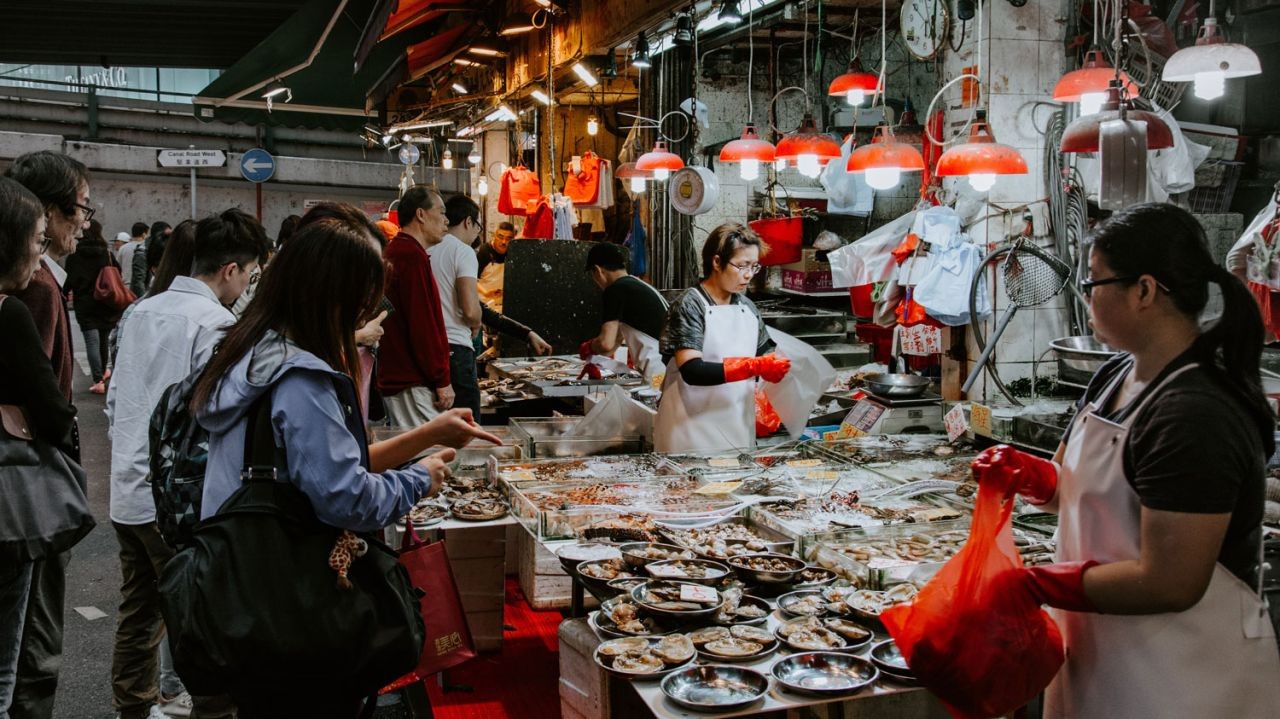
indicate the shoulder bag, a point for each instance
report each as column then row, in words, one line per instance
column 253, row 605
column 109, row 288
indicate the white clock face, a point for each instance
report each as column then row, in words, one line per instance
column 924, row 26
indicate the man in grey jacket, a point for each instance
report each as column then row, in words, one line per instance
column 164, row 339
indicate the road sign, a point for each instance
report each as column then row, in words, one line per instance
column 409, row 154
column 191, row 158
column 257, row 165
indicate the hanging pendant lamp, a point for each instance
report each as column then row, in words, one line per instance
column 856, row 84
column 659, row 161
column 808, row 149
column 981, row 158
column 749, row 151
column 885, row 159
column 635, row 178
column 1211, row 61
column 1088, row 85
column 1084, row 134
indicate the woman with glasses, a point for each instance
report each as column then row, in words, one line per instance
column 716, row 345
column 1159, row 490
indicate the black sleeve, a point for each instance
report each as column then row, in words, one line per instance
column 502, row 323
column 685, row 327
column 28, row 380
column 138, row 268
column 1190, row 451
column 484, row 256
column 611, row 303
column 702, row 373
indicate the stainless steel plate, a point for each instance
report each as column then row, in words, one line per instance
column 715, row 688
column 887, row 656
column 606, row 663
column 638, row 594
column 825, row 673
column 786, row 601
column 713, row 571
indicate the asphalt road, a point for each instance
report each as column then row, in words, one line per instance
column 93, row 576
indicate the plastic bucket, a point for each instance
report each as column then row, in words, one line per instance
column 782, row 236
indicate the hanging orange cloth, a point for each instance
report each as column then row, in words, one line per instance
column 519, row 186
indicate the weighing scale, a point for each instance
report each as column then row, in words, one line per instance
column 881, row 415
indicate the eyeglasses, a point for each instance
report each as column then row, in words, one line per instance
column 746, row 270
column 44, row 243
column 88, row 211
column 1086, row 287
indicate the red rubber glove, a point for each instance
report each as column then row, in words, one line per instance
column 770, row 367
column 590, row 370
column 584, row 349
column 1029, row 475
column 1058, row 585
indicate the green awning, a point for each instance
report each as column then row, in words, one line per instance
column 312, row 54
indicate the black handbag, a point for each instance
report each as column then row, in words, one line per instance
column 252, row 605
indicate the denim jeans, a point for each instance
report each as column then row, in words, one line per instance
column 462, row 372
column 170, row 684
column 15, row 584
column 96, row 345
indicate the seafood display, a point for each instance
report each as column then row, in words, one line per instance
column 869, row 603
column 620, row 615
column 739, row 608
column 703, row 571
column 680, row 600
column 877, row 449
column 713, row 463
column 610, row 467
column 640, row 656
column 604, row 569
column 767, row 568
column 808, row 634
column 724, row 540
column 808, row 603
column 567, row 509
column 639, row 554
column 739, row 643
column 843, row 509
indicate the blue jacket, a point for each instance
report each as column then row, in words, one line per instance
column 316, row 419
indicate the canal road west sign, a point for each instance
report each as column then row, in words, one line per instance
column 191, row 158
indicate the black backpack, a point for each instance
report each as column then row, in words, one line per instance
column 179, row 455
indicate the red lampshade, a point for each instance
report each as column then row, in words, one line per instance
column 885, row 152
column 747, row 147
column 856, row 80
column 659, row 158
column 628, row 170
column 1094, row 76
column 806, row 140
column 981, row 155
column 1082, row 135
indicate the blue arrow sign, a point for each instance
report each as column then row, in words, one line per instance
column 257, row 165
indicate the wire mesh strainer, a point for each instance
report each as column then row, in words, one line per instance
column 1031, row 277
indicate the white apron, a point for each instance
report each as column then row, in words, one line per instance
column 489, row 285
column 1217, row 659
column 642, row 351
column 711, row 419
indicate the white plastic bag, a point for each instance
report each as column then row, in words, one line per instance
column 869, row 259
column 796, row 395
column 616, row 415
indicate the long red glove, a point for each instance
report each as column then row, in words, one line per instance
column 584, row 349
column 1032, row 477
column 770, row 367
column 1058, row 585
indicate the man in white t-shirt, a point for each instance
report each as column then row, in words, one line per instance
column 455, row 267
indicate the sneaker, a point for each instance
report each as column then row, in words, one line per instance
column 99, row 388
column 179, row 706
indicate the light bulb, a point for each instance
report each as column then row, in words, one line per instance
column 1210, row 85
column 808, row 165
column 982, row 181
column 474, row 158
column 856, row 97
column 593, row 127
column 780, row 164
column 883, row 178
column 1091, row 102
column 482, row 187
column 446, row 161
column 749, row 169
column 661, row 174
column 637, row 184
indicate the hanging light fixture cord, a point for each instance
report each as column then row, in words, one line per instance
column 976, row 75
column 751, row 61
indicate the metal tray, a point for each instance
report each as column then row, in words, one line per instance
column 549, row 437
column 825, row 674
column 774, row 541
column 715, row 688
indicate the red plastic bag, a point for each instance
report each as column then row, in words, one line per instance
column 982, row 649
column 767, row 419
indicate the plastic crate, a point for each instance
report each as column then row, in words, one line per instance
column 1154, row 91
column 1215, row 198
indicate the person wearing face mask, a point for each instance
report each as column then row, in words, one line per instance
column 61, row 184
column 1159, row 490
column 413, row 360
column 716, row 346
column 26, row 382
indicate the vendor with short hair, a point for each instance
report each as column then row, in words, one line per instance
column 633, row 312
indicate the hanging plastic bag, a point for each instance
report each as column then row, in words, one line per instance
column 767, row 419
column 869, row 259
column 795, row 396
column 982, row 649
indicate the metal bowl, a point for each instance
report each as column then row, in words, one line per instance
column 847, row 645
column 571, row 555
column 756, row 621
column 599, row 586
column 638, row 593
column 787, row 600
column 1079, row 358
column 827, row 577
column 896, row 386
column 764, row 576
column 888, row 657
column 602, row 620
column 607, row 664
column 715, row 688
column 630, row 553
column 713, row 571
column 825, row 674
column 624, row 585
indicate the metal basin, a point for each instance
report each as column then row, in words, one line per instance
column 1079, row 358
column 715, row 688
column 897, row 386
column 825, row 673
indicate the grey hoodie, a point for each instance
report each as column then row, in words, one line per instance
column 315, row 419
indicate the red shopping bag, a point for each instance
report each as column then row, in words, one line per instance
column 519, row 185
column 448, row 641
column 541, row 223
column 767, row 419
column 983, row 649
column 583, row 187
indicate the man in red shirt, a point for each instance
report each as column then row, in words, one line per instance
column 413, row 357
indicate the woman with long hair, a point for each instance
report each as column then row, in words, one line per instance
column 97, row 319
column 716, row 345
column 1159, row 490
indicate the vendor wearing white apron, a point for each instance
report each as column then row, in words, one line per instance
column 716, row 346
column 492, row 266
column 1159, row 490
column 633, row 312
